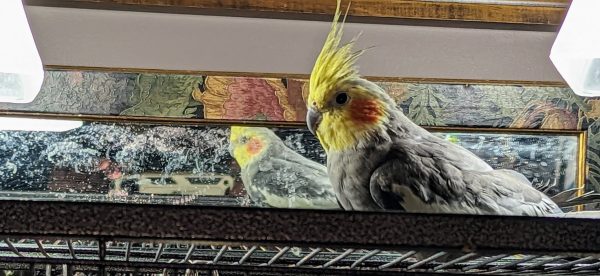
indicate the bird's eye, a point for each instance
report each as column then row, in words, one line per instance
column 341, row 98
column 243, row 140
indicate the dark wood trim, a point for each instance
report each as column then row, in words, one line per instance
column 520, row 12
column 150, row 120
column 304, row 76
column 153, row 120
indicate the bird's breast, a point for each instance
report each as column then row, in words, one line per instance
column 350, row 174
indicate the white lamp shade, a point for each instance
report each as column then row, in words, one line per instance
column 576, row 50
column 33, row 124
column 21, row 70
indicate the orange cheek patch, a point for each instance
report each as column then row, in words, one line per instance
column 254, row 146
column 365, row 111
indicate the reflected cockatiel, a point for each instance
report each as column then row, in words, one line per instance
column 277, row 176
column 377, row 158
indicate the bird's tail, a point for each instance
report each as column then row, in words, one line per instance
column 569, row 198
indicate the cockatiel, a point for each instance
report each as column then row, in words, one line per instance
column 277, row 176
column 377, row 158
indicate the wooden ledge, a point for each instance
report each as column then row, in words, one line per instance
column 519, row 12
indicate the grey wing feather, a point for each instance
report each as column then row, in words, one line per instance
column 466, row 160
column 289, row 180
column 429, row 184
column 435, row 147
column 513, row 193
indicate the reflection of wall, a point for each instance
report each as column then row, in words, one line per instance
column 68, row 181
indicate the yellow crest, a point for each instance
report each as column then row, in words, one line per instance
column 335, row 63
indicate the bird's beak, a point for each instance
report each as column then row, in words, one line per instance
column 313, row 119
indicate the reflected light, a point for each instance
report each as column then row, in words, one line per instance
column 29, row 124
column 21, row 70
column 576, row 50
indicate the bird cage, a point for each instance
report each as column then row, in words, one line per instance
column 115, row 227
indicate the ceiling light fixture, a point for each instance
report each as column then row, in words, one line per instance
column 576, row 50
column 21, row 69
column 31, row 124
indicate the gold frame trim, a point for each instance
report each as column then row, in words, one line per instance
column 582, row 166
column 228, row 122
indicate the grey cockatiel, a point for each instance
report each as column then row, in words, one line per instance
column 275, row 175
column 379, row 159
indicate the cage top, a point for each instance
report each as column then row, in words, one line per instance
column 99, row 236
